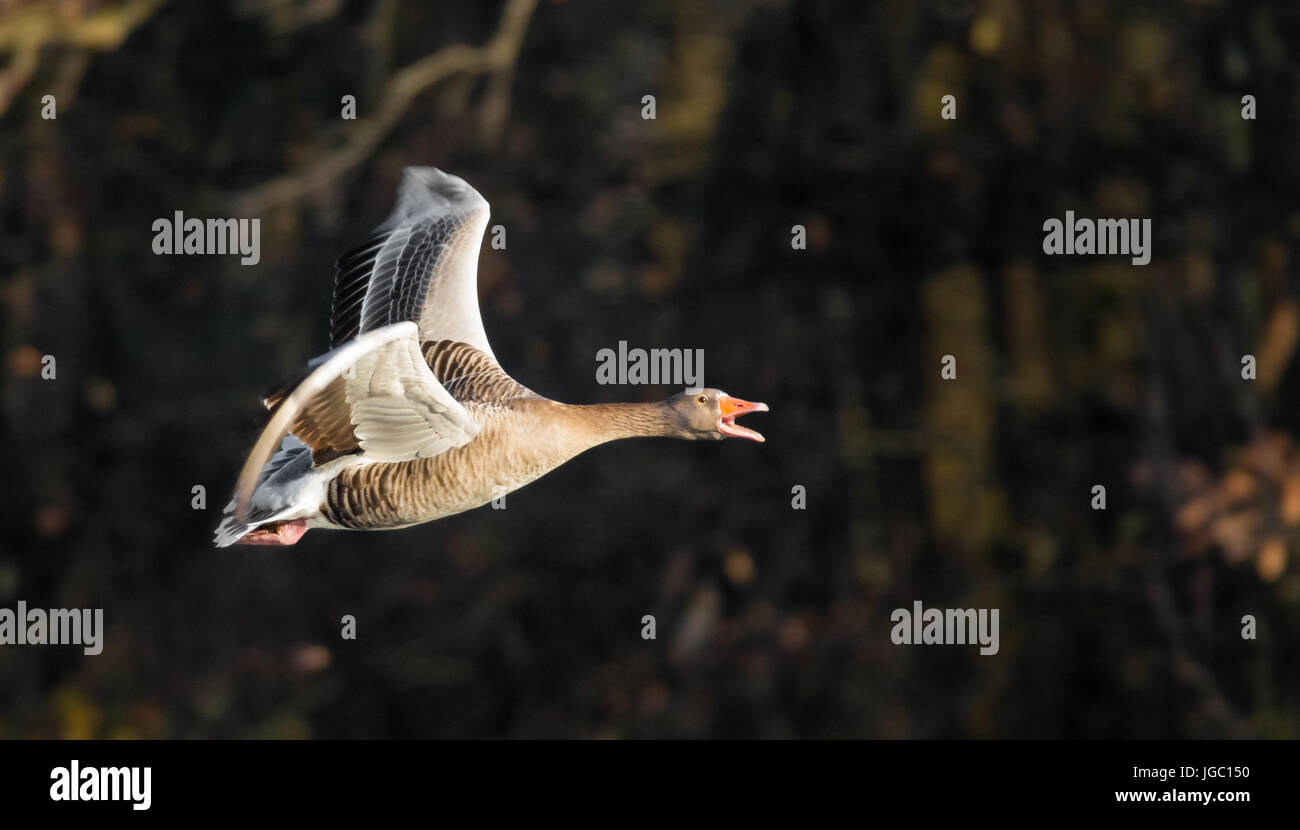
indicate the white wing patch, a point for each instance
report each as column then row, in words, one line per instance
column 379, row 383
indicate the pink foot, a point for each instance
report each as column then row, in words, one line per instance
column 281, row 534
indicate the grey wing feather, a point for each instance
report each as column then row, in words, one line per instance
column 420, row 265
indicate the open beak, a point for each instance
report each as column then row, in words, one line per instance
column 733, row 408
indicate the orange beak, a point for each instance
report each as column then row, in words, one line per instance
column 733, row 408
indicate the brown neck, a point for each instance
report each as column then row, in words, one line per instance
column 611, row 421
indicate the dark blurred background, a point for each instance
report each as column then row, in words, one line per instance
column 924, row 239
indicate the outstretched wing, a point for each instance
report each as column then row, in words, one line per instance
column 375, row 395
column 420, row 265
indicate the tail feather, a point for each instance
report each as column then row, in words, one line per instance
column 231, row 530
column 273, row 496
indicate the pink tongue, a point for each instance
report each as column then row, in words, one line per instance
column 730, row 427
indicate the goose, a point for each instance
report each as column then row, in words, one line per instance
column 409, row 417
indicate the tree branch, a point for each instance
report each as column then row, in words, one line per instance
column 496, row 57
column 24, row 33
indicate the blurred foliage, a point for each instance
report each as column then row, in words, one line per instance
column 924, row 239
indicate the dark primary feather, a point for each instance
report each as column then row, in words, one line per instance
column 351, row 278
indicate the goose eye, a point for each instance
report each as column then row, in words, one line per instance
column 703, row 399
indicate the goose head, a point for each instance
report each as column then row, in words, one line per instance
column 710, row 414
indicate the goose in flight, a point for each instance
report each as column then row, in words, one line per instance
column 409, row 417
